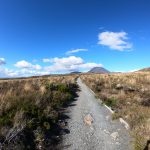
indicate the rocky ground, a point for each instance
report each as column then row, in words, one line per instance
column 90, row 126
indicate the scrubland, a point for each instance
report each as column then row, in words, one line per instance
column 128, row 94
column 30, row 111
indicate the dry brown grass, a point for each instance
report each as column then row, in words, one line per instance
column 29, row 110
column 129, row 95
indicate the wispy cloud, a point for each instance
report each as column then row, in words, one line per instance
column 76, row 51
column 114, row 40
column 2, row 61
column 101, row 28
column 46, row 60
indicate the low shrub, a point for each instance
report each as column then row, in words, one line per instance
column 30, row 114
column 128, row 94
column 111, row 102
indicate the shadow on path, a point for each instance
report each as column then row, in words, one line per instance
column 61, row 126
column 147, row 145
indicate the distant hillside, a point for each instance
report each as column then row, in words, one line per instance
column 98, row 70
column 145, row 70
column 75, row 72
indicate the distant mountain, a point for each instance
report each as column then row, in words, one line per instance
column 98, row 70
column 75, row 72
column 145, row 70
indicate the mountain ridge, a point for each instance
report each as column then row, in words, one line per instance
column 98, row 70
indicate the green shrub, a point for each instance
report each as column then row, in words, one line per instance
column 63, row 88
column 46, row 125
column 28, row 103
column 50, row 86
column 111, row 102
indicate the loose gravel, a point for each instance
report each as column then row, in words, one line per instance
column 102, row 133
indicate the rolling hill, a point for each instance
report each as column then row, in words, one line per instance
column 145, row 69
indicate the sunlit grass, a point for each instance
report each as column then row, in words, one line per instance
column 30, row 108
column 128, row 95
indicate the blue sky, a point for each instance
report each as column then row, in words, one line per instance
column 57, row 36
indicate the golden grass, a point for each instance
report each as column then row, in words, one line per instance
column 29, row 110
column 129, row 95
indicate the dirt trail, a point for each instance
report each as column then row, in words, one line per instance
column 91, row 126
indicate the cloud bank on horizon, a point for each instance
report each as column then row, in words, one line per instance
column 58, row 65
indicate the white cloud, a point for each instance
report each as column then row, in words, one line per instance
column 5, row 72
column 89, row 65
column 114, row 40
column 38, row 67
column 76, row 51
column 2, row 61
column 58, row 65
column 45, row 60
column 134, row 70
column 25, row 64
column 27, row 72
column 71, row 63
column 67, row 60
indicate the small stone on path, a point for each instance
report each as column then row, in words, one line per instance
column 114, row 135
column 88, row 120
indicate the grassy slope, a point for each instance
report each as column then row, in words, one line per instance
column 29, row 111
column 129, row 95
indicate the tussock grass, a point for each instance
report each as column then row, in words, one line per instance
column 128, row 94
column 29, row 111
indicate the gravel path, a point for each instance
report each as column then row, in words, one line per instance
column 102, row 134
